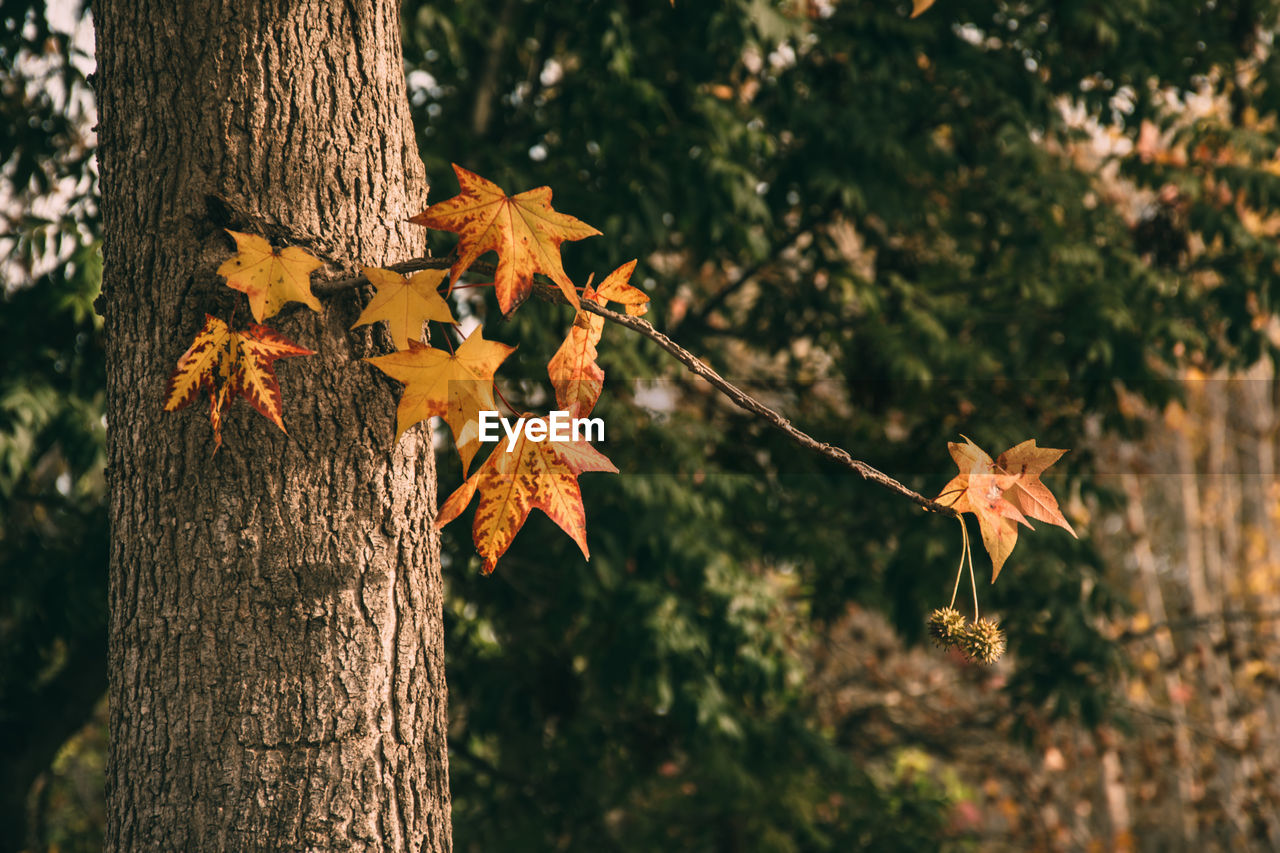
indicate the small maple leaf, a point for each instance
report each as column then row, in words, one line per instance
column 523, row 229
column 1026, row 463
column 228, row 364
column 405, row 303
column 576, row 377
column 455, row 386
column 269, row 277
column 533, row 475
column 979, row 488
column 198, row 368
column 253, row 375
column 615, row 288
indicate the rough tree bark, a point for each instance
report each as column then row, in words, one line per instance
column 276, row 659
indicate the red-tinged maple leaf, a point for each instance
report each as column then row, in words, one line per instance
column 269, row 277
column 253, row 375
column 1027, row 462
column 615, row 288
column 532, row 475
column 455, row 386
column 979, row 488
column 405, row 303
column 576, row 377
column 523, row 229
column 230, row 364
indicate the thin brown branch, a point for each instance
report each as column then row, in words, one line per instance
column 695, row 365
column 745, row 401
column 332, row 286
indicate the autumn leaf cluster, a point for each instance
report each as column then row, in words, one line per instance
column 455, row 384
column 226, row 364
column 1003, row 493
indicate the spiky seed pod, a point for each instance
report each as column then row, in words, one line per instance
column 945, row 626
column 983, row 641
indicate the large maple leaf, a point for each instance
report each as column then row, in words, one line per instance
column 455, row 386
column 576, row 377
column 405, row 303
column 532, row 475
column 269, row 277
column 227, row 365
column 523, row 229
column 979, row 488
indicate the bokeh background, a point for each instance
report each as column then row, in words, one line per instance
column 1004, row 219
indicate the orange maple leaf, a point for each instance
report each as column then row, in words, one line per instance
column 455, row 386
column 532, row 475
column 523, row 229
column 1026, row 463
column 576, row 377
column 615, row 288
column 269, row 277
column 405, row 303
column 979, row 488
column 229, row 364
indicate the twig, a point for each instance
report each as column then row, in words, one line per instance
column 328, row 288
column 748, row 403
column 736, row 395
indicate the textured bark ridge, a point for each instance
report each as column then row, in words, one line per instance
column 276, row 658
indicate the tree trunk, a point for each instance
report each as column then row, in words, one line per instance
column 276, row 658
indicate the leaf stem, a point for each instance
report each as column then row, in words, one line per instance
column 501, row 397
column 964, row 549
column 972, row 581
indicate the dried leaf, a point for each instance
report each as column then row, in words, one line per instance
column 455, row 386
column 270, row 278
column 533, row 475
column 405, row 303
column 576, row 377
column 523, row 229
column 1026, row 463
column 979, row 488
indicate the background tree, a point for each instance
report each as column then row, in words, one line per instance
column 895, row 230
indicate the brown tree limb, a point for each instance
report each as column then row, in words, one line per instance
column 695, row 365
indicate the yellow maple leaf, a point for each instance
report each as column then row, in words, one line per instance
column 523, row 229
column 405, row 303
column 615, row 288
column 455, row 386
column 269, row 277
column 532, row 475
column 198, row 368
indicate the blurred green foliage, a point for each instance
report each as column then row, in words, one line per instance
column 53, row 530
column 891, row 229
